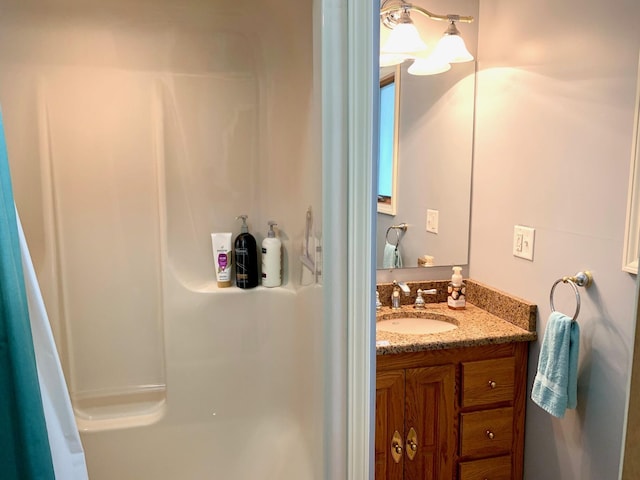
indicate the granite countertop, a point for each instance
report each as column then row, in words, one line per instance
column 476, row 326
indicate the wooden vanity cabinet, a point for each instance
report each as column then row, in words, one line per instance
column 451, row 414
column 389, row 418
column 414, row 423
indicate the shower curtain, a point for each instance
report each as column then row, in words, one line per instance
column 64, row 440
column 38, row 438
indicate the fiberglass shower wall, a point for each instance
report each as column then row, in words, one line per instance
column 135, row 129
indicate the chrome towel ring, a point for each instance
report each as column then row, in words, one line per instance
column 580, row 279
column 402, row 227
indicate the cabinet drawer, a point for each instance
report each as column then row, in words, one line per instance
column 488, row 381
column 498, row 468
column 486, row 432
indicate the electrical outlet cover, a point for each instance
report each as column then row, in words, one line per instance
column 432, row 221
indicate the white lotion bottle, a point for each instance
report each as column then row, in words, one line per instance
column 271, row 258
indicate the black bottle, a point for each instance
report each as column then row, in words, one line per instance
column 245, row 251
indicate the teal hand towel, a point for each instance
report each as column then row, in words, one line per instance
column 391, row 256
column 555, row 387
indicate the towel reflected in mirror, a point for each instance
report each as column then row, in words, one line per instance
column 391, row 256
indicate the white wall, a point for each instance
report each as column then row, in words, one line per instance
column 555, row 105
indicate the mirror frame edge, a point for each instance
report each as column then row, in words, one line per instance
column 632, row 224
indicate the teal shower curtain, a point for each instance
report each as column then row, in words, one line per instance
column 24, row 445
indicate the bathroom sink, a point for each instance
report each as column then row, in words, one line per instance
column 417, row 325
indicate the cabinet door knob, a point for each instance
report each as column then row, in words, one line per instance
column 492, row 384
column 490, row 435
column 396, row 447
column 412, row 443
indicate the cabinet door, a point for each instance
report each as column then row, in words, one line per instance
column 389, row 419
column 429, row 410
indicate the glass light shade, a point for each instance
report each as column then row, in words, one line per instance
column 404, row 39
column 389, row 59
column 452, row 48
column 431, row 65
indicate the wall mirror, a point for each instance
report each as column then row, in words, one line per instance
column 433, row 151
column 632, row 234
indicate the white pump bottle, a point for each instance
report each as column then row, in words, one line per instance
column 271, row 258
column 457, row 290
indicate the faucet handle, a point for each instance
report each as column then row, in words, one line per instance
column 395, row 296
column 419, row 303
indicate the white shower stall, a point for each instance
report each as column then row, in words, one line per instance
column 135, row 129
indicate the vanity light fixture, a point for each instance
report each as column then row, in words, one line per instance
column 404, row 39
column 431, row 65
column 451, row 46
column 389, row 59
column 404, row 42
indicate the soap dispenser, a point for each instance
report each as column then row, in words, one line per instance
column 271, row 258
column 456, row 290
column 246, row 255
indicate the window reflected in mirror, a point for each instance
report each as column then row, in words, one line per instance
column 388, row 144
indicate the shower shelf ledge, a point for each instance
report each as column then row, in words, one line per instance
column 141, row 407
column 212, row 287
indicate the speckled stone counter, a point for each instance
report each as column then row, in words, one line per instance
column 503, row 319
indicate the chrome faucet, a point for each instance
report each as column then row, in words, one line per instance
column 395, row 294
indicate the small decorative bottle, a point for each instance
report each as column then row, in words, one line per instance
column 456, row 290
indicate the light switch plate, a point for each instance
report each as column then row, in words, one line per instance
column 432, row 221
column 523, row 241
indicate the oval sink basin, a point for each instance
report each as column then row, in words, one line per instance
column 415, row 325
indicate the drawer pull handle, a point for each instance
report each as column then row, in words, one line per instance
column 492, row 384
column 490, row 435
